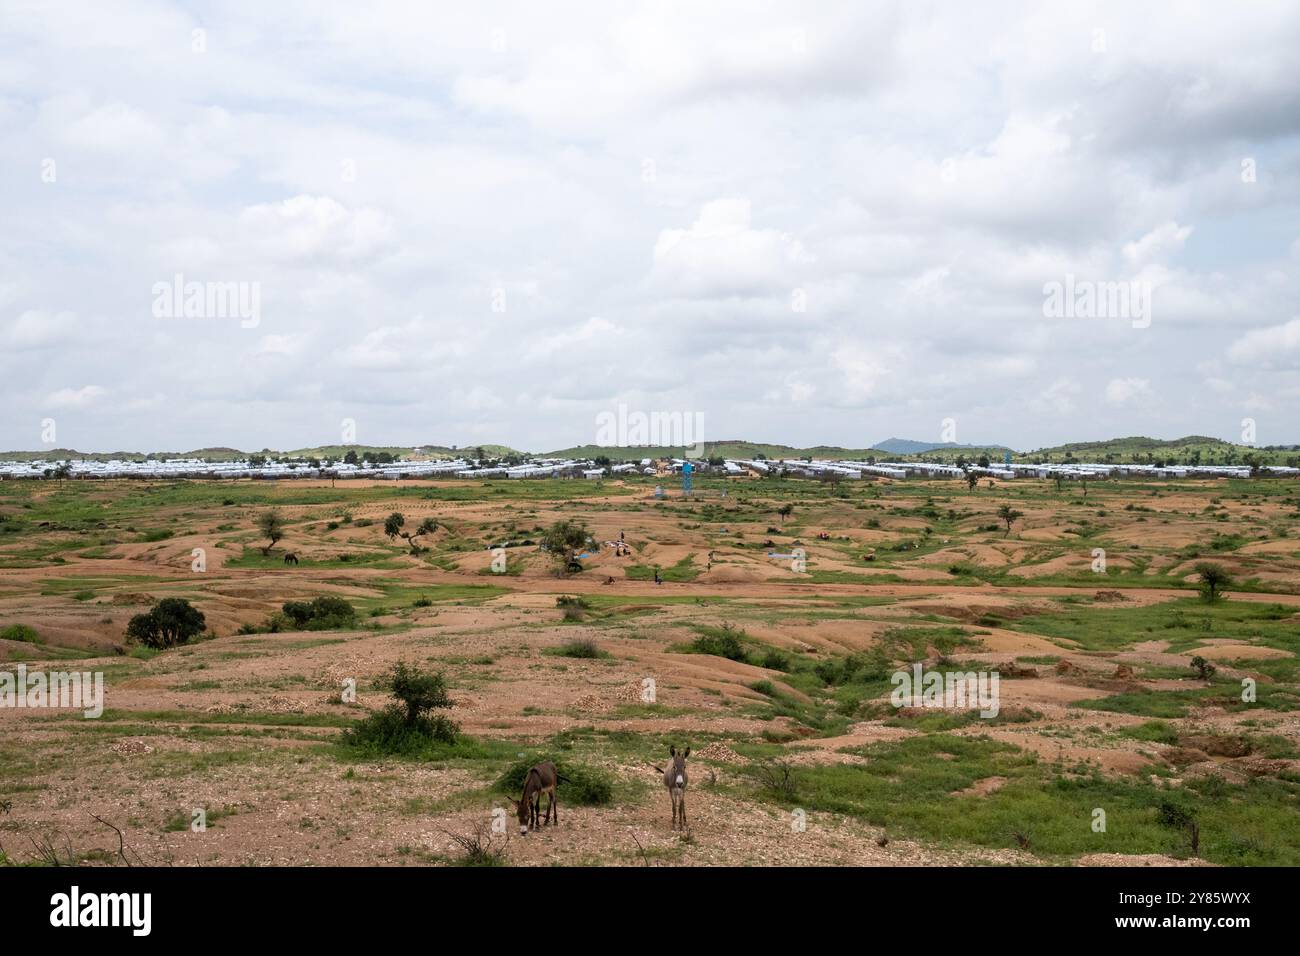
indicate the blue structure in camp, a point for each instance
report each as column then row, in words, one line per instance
column 687, row 468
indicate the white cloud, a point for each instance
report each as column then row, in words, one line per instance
column 1159, row 243
column 83, row 397
column 721, row 255
column 1277, row 346
column 1127, row 391
column 34, row 329
column 310, row 227
column 918, row 178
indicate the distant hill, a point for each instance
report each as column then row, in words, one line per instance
column 905, row 446
column 1192, row 449
column 719, row 449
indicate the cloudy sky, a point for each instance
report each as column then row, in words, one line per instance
column 807, row 223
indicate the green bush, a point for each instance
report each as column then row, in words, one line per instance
column 583, row 649
column 172, row 621
column 720, row 642
column 325, row 613
column 408, row 727
column 579, row 784
column 20, row 632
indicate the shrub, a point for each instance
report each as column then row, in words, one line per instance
column 579, row 784
column 562, row 540
column 584, row 648
column 271, row 524
column 19, row 632
column 172, row 621
column 574, row 608
column 720, row 642
column 325, row 613
column 774, row 660
column 407, row 727
column 1214, row 578
column 777, row 778
column 478, row 847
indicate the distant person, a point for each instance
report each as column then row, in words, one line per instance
column 620, row 536
column 658, row 578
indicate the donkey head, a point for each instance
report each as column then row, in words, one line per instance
column 676, row 776
column 521, row 812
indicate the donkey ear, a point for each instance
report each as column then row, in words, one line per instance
column 672, row 751
column 688, row 752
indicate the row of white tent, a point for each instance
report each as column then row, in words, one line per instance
column 272, row 470
column 551, row 467
column 1074, row 471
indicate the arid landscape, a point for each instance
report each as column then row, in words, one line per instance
column 1138, row 721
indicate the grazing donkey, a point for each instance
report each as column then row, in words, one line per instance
column 290, row 558
column 675, row 781
column 540, row 779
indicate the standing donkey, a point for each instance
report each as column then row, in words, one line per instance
column 675, row 781
column 540, row 779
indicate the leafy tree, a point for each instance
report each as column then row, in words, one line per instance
column 1204, row 669
column 1009, row 515
column 563, row 538
column 408, row 726
column 972, row 480
column 351, row 457
column 325, row 613
column 394, row 523
column 1214, row 578
column 785, row 511
column 417, row 691
column 271, row 524
column 172, row 621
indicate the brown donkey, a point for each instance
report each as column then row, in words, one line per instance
column 675, row 781
column 540, row 779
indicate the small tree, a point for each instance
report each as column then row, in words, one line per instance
column 408, row 726
column 394, row 523
column 563, row 538
column 420, row 693
column 172, row 621
column 271, row 524
column 1009, row 515
column 1204, row 669
column 1214, row 578
column 785, row 511
column 1178, row 817
column 972, row 480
